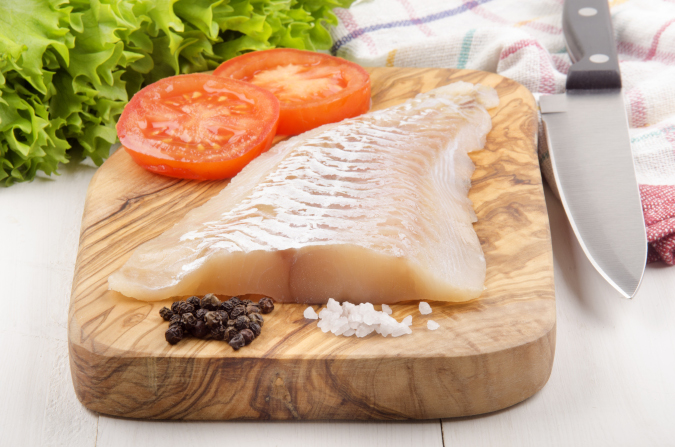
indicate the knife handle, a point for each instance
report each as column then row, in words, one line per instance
column 589, row 37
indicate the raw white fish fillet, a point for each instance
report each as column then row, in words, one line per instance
column 371, row 209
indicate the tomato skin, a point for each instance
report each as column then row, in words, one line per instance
column 302, row 115
column 198, row 127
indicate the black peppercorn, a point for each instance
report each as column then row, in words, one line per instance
column 200, row 314
column 212, row 319
column 174, row 334
column 185, row 308
column 227, row 306
column 174, row 306
column 266, row 305
column 176, row 320
column 248, row 335
column 210, row 302
column 252, row 309
column 242, row 322
column 255, row 328
column 238, row 310
column 195, row 301
column 237, row 341
column 199, row 330
column 165, row 313
column 256, row 318
column 236, row 321
column 218, row 332
column 188, row 320
column 229, row 333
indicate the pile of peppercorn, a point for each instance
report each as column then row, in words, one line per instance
column 235, row 321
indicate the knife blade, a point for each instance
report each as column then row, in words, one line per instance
column 587, row 134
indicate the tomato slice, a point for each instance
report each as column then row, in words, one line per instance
column 313, row 88
column 198, row 126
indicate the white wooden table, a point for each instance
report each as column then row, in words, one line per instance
column 613, row 380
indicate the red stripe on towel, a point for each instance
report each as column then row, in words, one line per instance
column 657, row 37
column 658, row 206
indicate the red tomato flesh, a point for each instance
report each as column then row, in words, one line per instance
column 313, row 88
column 198, row 126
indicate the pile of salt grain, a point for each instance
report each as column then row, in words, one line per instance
column 350, row 319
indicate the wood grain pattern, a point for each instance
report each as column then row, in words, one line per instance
column 489, row 353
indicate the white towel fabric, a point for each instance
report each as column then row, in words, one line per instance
column 523, row 40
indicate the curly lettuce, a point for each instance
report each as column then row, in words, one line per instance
column 68, row 67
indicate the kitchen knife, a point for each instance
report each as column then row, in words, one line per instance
column 587, row 134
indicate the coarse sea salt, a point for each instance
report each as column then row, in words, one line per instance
column 432, row 325
column 425, row 309
column 310, row 314
column 358, row 319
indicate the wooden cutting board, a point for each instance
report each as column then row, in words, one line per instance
column 489, row 353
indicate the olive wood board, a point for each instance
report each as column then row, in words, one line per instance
column 488, row 354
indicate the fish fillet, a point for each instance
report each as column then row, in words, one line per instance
column 371, row 209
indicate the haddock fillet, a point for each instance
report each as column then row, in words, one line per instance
column 371, row 209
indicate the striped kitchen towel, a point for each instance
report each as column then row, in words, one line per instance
column 523, row 40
